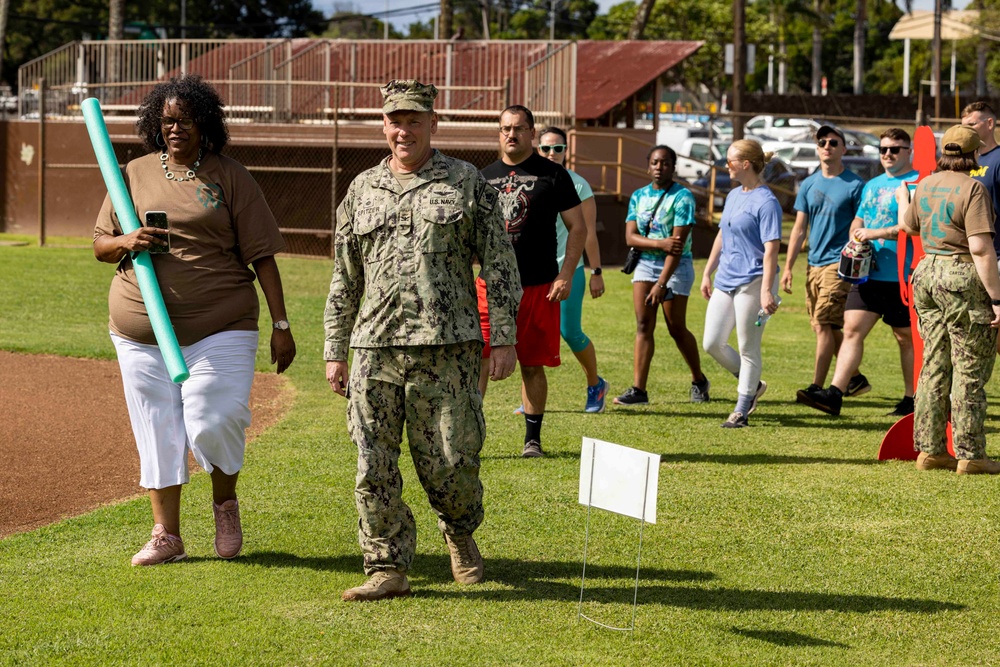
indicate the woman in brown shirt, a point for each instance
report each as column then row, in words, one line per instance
column 956, row 293
column 219, row 226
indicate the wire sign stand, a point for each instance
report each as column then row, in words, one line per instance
column 620, row 480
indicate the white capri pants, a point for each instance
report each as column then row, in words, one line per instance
column 736, row 309
column 207, row 414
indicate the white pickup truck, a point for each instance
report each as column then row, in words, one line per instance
column 696, row 155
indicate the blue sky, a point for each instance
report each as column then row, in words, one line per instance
column 429, row 7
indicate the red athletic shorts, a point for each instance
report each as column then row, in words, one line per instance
column 537, row 326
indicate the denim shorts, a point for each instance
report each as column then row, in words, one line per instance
column 648, row 271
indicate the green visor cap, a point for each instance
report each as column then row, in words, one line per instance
column 408, row 95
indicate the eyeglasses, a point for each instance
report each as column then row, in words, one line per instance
column 892, row 149
column 734, row 163
column 166, row 122
column 555, row 148
column 508, row 130
column 832, row 143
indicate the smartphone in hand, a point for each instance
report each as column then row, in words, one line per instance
column 158, row 219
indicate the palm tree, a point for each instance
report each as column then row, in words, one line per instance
column 4, row 5
column 860, row 19
column 782, row 11
column 641, row 19
column 444, row 20
column 116, row 30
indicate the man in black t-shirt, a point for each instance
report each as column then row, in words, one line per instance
column 533, row 191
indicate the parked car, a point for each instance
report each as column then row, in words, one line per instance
column 801, row 156
column 777, row 174
column 782, row 128
column 854, row 145
column 695, row 157
column 866, row 140
column 865, row 167
column 8, row 100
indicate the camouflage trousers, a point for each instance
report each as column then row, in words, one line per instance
column 954, row 314
column 433, row 390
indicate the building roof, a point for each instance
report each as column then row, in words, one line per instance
column 919, row 24
column 609, row 72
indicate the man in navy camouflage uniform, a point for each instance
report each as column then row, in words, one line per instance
column 956, row 293
column 406, row 236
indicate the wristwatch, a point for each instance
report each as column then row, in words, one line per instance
column 282, row 325
column 995, row 302
column 596, row 271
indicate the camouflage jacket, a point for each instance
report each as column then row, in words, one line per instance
column 409, row 252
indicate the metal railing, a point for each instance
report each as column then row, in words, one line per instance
column 289, row 80
column 615, row 170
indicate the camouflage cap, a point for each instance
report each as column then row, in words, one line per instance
column 408, row 95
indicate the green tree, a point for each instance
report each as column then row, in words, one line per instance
column 710, row 21
column 36, row 27
column 347, row 22
column 532, row 20
column 782, row 15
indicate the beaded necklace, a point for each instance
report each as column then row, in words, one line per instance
column 188, row 175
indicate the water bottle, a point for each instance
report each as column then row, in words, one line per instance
column 762, row 315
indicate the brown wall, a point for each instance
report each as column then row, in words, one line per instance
column 74, row 195
column 854, row 106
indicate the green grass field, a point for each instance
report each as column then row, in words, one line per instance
column 782, row 544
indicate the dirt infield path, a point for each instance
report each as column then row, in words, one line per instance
column 66, row 445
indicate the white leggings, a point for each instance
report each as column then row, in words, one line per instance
column 736, row 309
column 207, row 414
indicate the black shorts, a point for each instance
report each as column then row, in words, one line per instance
column 880, row 297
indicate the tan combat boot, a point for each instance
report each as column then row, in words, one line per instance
column 978, row 467
column 382, row 585
column 936, row 462
column 466, row 561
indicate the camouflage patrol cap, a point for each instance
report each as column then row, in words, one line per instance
column 408, row 95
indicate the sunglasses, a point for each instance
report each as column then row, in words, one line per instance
column 892, row 149
column 509, row 130
column 166, row 122
column 832, row 143
column 555, row 148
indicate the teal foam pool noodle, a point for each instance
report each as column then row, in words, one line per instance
column 142, row 262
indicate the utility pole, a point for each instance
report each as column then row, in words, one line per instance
column 4, row 6
column 444, row 30
column 936, row 62
column 860, row 20
column 116, row 32
column 739, row 65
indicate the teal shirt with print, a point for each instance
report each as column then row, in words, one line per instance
column 584, row 190
column 879, row 210
column 676, row 210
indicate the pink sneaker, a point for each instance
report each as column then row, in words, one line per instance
column 228, row 532
column 161, row 548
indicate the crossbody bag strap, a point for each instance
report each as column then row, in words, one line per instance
column 655, row 209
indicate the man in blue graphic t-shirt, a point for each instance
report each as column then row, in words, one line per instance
column 879, row 297
column 826, row 204
column 981, row 117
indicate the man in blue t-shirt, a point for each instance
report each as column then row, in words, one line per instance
column 981, row 117
column 879, row 297
column 826, row 204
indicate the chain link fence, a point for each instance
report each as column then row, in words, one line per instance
column 303, row 185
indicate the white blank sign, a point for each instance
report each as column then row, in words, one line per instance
column 624, row 480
